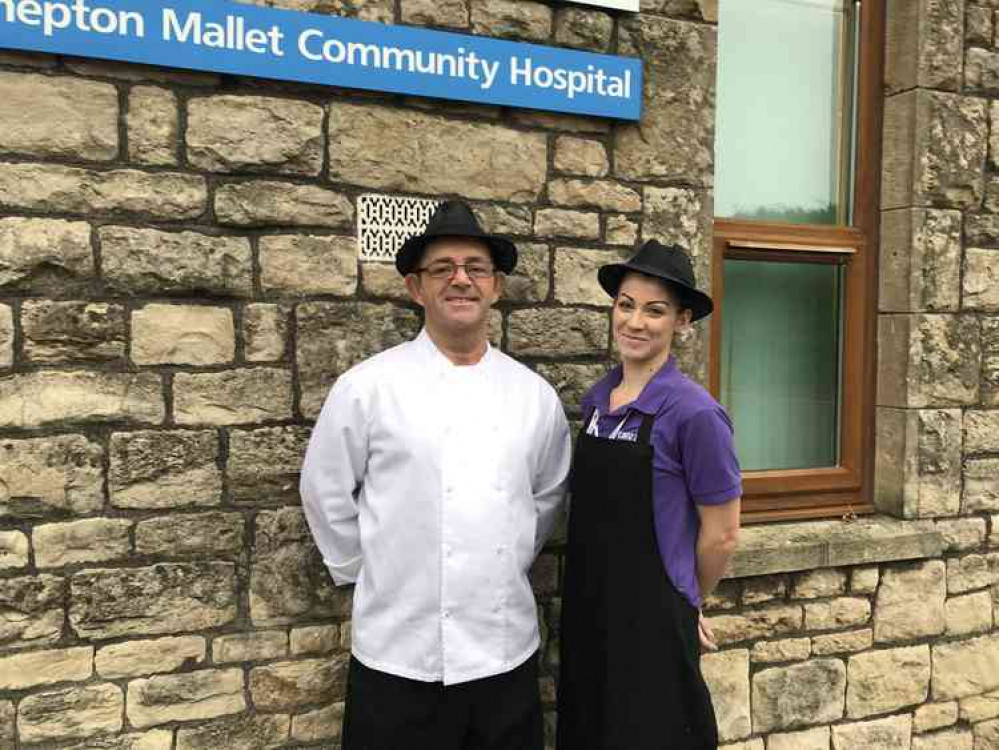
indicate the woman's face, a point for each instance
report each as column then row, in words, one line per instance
column 645, row 317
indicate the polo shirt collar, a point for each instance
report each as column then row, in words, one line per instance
column 653, row 395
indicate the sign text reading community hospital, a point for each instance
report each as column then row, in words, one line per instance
column 286, row 45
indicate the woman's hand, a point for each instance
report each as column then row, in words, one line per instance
column 705, row 633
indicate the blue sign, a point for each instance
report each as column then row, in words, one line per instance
column 226, row 37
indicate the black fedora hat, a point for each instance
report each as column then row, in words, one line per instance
column 455, row 219
column 671, row 264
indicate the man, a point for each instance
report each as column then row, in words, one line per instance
column 432, row 481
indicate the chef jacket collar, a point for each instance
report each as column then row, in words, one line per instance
column 439, row 363
column 652, row 397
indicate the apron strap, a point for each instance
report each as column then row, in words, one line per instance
column 645, row 431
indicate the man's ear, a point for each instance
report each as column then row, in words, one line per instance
column 499, row 284
column 414, row 287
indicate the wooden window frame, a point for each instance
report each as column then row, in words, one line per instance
column 846, row 489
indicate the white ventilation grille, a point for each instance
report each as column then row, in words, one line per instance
column 384, row 222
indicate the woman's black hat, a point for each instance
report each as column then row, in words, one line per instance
column 455, row 219
column 671, row 264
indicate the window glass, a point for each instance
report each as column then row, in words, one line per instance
column 785, row 86
column 780, row 362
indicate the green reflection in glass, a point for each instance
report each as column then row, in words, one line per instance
column 780, row 362
column 785, row 89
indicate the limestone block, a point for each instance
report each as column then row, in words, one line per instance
column 39, row 255
column 58, row 116
column 842, row 643
column 770, row 622
column 920, row 260
column 49, row 398
column 31, row 611
column 254, row 646
column 366, row 10
column 892, row 733
column 808, row 739
column 285, row 686
column 864, row 580
column 964, row 668
column 798, row 695
column 203, row 694
column 561, row 222
column 910, row 602
column 990, row 361
column 120, row 193
column 265, row 332
column 970, row 614
column 381, row 280
column 981, row 279
column 164, row 469
column 763, row 589
column 400, row 150
column 928, row 360
column 553, row 121
column 183, row 335
column 321, row 724
column 881, row 682
column 530, row 280
column 153, row 124
column 264, row 463
column 781, row 650
column 834, row 614
column 756, row 744
column 603, row 195
column 332, row 337
column 163, row 598
column 932, row 716
column 155, row 739
column 816, row 584
column 216, row 535
column 976, row 708
column 675, row 138
column 268, row 203
column 982, row 229
column 981, row 431
column 88, row 540
column 571, row 381
column 581, row 156
column 148, row 261
column 994, row 536
column 981, row 72
column 934, row 149
column 953, row 739
column 254, row 394
column 139, row 73
column 301, row 265
column 8, row 715
column 924, row 44
column 235, row 133
column 315, row 639
column 449, row 13
column 978, row 26
column 511, row 19
column 506, row 220
column 962, row 534
column 681, row 216
column 288, row 580
column 13, row 550
column 6, row 336
column 35, row 668
column 146, row 657
column 60, row 474
column 986, row 735
column 724, row 596
column 557, row 332
column 727, row 676
column 246, row 732
column 72, row 713
column 621, row 231
column 583, row 28
column 576, row 276
column 972, row 572
column 72, row 331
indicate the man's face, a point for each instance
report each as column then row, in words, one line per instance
column 458, row 302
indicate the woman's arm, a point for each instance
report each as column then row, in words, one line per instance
column 716, row 542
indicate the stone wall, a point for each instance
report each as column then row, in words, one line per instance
column 179, row 287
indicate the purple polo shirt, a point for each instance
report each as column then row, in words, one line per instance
column 694, row 459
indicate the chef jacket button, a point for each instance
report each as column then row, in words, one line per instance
column 445, row 614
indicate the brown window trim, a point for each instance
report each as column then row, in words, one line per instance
column 845, row 489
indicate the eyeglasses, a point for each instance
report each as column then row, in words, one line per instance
column 445, row 269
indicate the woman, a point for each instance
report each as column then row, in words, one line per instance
column 654, row 518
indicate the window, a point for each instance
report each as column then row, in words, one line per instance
column 797, row 155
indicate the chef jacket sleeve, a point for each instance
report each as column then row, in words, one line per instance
column 551, row 470
column 332, row 474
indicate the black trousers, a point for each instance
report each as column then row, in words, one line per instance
column 385, row 712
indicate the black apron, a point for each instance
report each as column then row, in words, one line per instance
column 629, row 674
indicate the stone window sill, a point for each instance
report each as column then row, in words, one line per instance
column 788, row 547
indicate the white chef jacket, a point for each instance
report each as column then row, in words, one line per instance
column 433, row 486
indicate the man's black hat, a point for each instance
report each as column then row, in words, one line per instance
column 455, row 219
column 671, row 264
